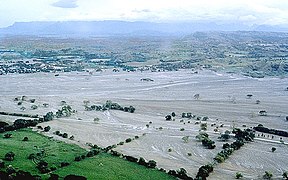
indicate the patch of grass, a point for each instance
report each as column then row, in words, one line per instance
column 101, row 166
column 54, row 152
column 105, row 166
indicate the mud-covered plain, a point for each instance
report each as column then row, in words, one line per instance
column 222, row 98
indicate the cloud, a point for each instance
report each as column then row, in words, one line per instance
column 65, row 4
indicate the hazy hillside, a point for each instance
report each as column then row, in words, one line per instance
column 104, row 28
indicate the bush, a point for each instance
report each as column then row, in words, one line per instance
column 25, row 139
column 47, row 128
column 128, row 140
column 8, row 135
column 267, row 175
column 151, row 164
column 142, row 161
column 63, row 164
column 131, row 158
column 9, row 156
column 273, row 149
column 238, row 175
column 65, row 135
column 78, row 158
column 74, row 177
column 32, row 156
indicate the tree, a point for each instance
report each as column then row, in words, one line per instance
column 203, row 126
column 168, row 118
column 262, row 113
column 196, row 96
column 49, row 116
column 173, row 114
column 151, row 164
column 238, row 175
column 8, row 135
column 225, row 136
column 285, row 175
column 185, row 139
column 47, row 128
column 9, row 156
column 267, row 175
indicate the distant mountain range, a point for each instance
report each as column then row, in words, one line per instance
column 112, row 28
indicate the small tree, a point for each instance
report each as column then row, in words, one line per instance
column 168, row 118
column 267, row 175
column 47, row 128
column 185, row 139
column 9, row 156
column 8, row 135
column 238, row 175
column 273, row 149
column 173, row 114
column 285, row 175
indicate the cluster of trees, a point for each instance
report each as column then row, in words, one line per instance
column 19, row 114
column 109, row 105
column 244, row 135
column 12, row 174
column 181, row 174
column 263, row 129
column 18, row 124
column 91, row 153
column 206, row 141
column 64, row 135
column 204, row 172
column 65, row 111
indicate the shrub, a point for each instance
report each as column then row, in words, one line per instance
column 47, row 128
column 8, row 135
column 168, row 118
column 182, row 129
column 273, row 149
column 34, row 107
column 238, row 175
column 9, row 156
column 65, row 135
column 131, row 158
column 25, row 139
column 128, row 140
column 267, row 175
column 142, row 161
column 151, row 164
column 78, row 158
column 57, row 132
column 74, row 177
column 63, row 164
column 32, row 156
column 121, row 143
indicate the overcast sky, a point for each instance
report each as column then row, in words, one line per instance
column 240, row 11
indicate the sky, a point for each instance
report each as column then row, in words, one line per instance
column 248, row 12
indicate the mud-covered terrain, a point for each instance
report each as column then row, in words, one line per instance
column 222, row 97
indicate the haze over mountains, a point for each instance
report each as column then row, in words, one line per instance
column 109, row 27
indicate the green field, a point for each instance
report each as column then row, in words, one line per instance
column 102, row 166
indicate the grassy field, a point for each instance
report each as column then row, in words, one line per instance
column 105, row 166
column 102, row 166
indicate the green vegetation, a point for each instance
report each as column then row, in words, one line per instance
column 41, row 154
column 51, row 151
column 105, row 166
